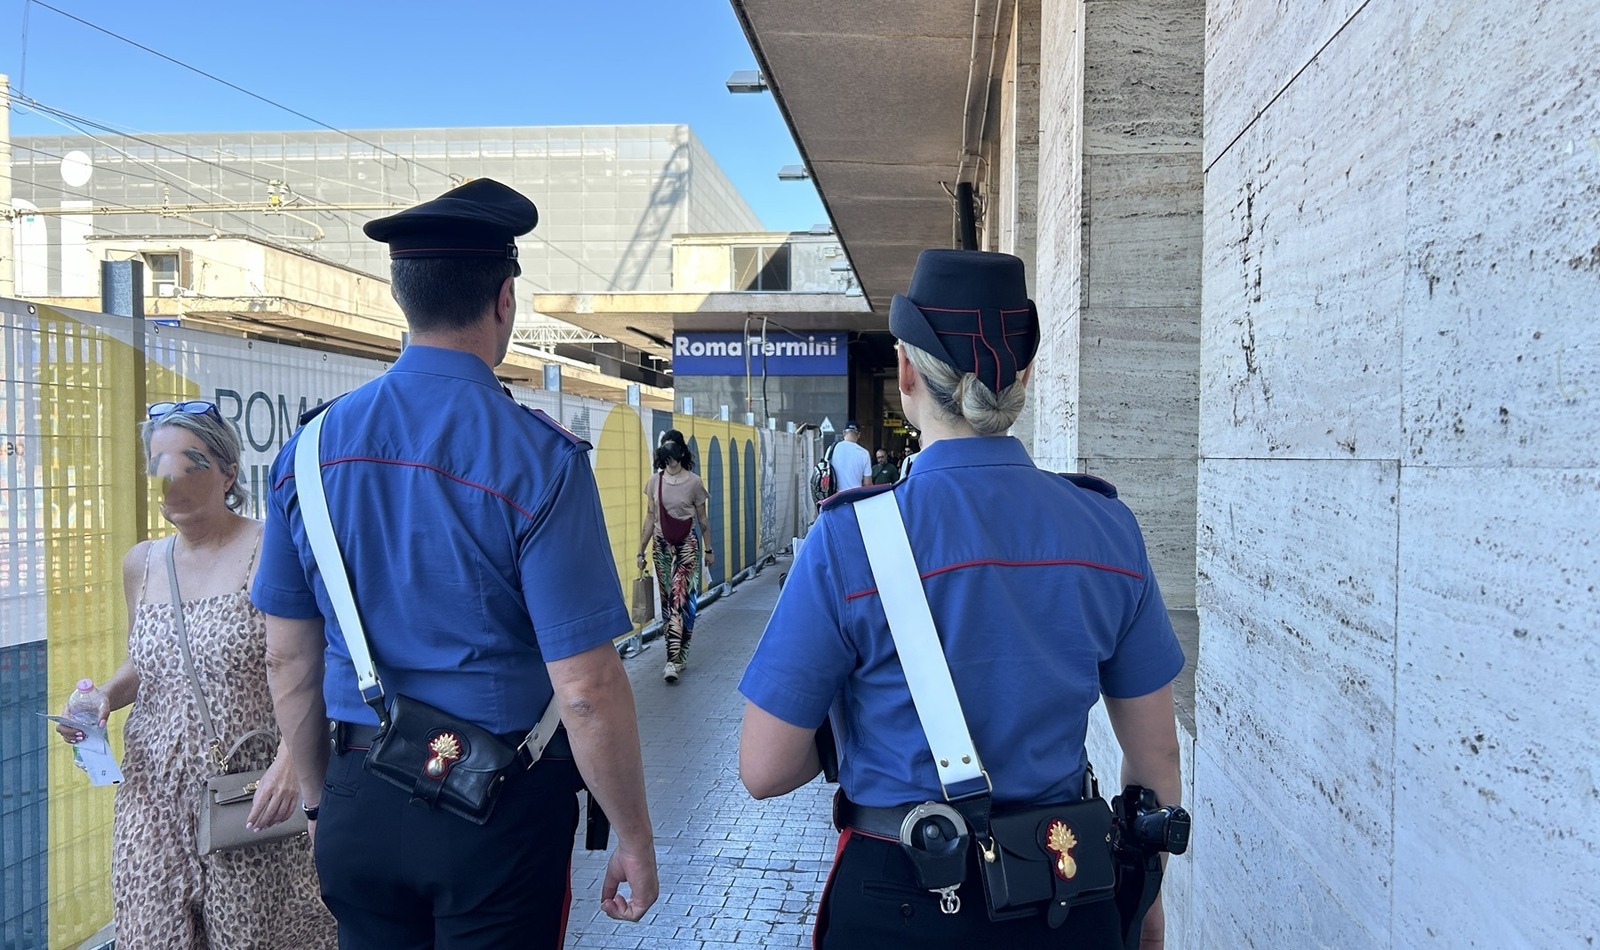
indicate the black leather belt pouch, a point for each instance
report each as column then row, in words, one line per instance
column 444, row 762
column 1046, row 859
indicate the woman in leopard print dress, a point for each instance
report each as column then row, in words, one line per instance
column 165, row 893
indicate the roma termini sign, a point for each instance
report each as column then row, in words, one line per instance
column 781, row 354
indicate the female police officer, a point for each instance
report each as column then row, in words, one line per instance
column 1043, row 598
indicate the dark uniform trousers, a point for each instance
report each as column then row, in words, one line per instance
column 872, row 902
column 399, row 876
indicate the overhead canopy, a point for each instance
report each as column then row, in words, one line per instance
column 876, row 95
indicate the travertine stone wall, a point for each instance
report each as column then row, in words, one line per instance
column 1399, row 490
column 1119, row 260
column 1011, row 221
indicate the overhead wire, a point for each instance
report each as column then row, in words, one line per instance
column 556, row 249
column 69, row 193
column 149, row 139
column 187, row 151
column 113, row 130
column 238, row 88
column 47, row 153
column 72, row 120
column 180, row 178
column 22, row 73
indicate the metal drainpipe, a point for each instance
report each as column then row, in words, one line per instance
column 966, row 220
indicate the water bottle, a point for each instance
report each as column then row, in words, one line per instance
column 83, row 706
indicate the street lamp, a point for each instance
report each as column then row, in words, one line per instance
column 793, row 173
column 747, row 80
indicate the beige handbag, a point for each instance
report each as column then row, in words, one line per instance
column 228, row 797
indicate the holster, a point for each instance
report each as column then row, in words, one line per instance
column 828, row 751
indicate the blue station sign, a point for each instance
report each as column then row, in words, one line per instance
column 783, row 354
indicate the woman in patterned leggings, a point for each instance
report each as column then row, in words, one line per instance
column 677, row 501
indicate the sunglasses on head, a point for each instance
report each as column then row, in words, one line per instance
column 193, row 407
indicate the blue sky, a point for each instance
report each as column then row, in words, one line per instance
column 365, row 64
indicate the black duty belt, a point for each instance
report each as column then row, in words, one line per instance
column 356, row 737
column 878, row 822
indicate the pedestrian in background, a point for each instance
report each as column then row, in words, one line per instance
column 676, row 501
column 1043, row 601
column 883, row 471
column 911, row 456
column 852, row 464
column 164, row 892
column 477, row 555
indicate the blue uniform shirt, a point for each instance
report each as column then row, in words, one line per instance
column 1043, row 598
column 472, row 531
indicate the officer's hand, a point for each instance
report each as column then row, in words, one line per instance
column 639, row 871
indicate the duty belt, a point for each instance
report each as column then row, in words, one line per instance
column 882, row 823
column 357, row 737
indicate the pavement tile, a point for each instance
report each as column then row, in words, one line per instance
column 735, row 872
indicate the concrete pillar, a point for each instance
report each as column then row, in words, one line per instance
column 122, row 288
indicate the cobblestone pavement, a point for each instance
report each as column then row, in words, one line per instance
column 734, row 872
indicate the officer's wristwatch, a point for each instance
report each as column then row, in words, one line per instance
column 311, row 810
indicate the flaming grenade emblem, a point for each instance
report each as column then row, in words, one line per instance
column 1060, row 841
column 446, row 748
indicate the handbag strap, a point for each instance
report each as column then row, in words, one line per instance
column 215, row 742
column 325, row 548
column 905, row 605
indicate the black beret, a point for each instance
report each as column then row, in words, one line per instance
column 970, row 310
column 479, row 219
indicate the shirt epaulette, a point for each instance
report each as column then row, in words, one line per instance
column 1091, row 483
column 566, row 433
column 852, row 495
column 311, row 413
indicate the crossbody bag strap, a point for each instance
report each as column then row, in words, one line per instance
column 905, row 604
column 214, row 741
column 325, row 548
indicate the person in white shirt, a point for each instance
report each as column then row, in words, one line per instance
column 852, row 464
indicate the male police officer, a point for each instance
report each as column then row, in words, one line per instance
column 472, row 533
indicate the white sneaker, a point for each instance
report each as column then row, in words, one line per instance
column 670, row 674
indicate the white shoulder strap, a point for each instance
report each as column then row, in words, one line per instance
column 905, row 603
column 319, row 531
